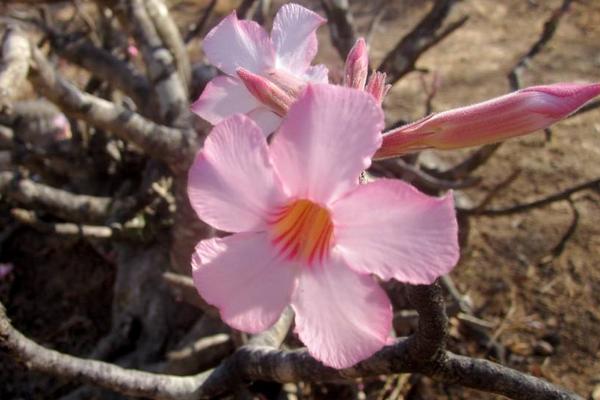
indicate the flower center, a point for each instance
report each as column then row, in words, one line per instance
column 302, row 230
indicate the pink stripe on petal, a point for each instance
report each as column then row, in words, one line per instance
column 498, row 119
column 234, row 43
column 223, row 97
column 390, row 229
column 326, row 140
column 231, row 184
column 242, row 276
column 341, row 316
column 294, row 37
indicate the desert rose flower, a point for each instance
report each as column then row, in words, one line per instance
column 306, row 234
column 514, row 114
column 283, row 58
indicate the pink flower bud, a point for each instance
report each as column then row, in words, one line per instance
column 357, row 66
column 266, row 91
column 491, row 121
column 62, row 127
column 377, row 87
column 5, row 270
column 133, row 51
column 289, row 83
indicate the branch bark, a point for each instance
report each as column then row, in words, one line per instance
column 401, row 60
column 174, row 146
column 72, row 207
column 341, row 25
column 108, row 68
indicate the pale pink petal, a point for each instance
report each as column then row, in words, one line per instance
column 317, row 74
column 266, row 119
column 234, row 43
column 326, row 140
column 341, row 316
column 294, row 37
column 245, row 279
column 392, row 230
column 223, row 97
column 491, row 121
column 231, row 184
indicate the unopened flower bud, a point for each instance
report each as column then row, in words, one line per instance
column 357, row 66
column 290, row 84
column 266, row 91
column 491, row 121
column 377, row 86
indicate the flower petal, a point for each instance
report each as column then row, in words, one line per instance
column 326, row 140
column 266, row 119
column 392, row 230
column 294, row 37
column 234, row 43
column 317, row 74
column 223, row 97
column 341, row 316
column 231, row 184
column 243, row 277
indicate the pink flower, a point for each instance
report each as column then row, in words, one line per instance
column 306, row 233
column 514, row 114
column 284, row 58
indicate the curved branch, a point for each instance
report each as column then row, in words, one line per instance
column 174, row 146
column 263, row 363
column 108, row 68
column 70, row 206
column 495, row 378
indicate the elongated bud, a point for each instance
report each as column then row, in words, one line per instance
column 491, row 121
column 357, row 65
column 266, row 91
column 377, row 86
column 290, row 84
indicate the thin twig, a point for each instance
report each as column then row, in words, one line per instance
column 197, row 28
column 68, row 229
column 411, row 173
column 483, row 154
column 560, row 196
column 428, row 32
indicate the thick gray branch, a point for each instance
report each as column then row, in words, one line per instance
column 169, row 33
column 73, row 207
column 108, row 68
column 174, row 146
column 14, row 64
column 162, row 71
column 264, row 363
